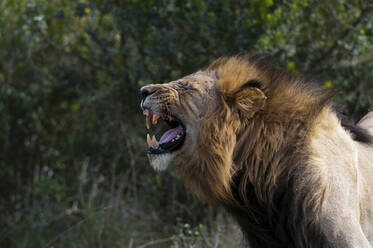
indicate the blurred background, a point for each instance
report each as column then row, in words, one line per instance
column 73, row 167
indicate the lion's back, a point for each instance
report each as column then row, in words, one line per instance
column 367, row 122
column 366, row 174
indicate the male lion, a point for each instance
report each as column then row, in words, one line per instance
column 269, row 147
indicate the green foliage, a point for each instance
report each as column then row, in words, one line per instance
column 70, row 139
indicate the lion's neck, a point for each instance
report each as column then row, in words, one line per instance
column 272, row 185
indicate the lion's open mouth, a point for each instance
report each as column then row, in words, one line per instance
column 173, row 132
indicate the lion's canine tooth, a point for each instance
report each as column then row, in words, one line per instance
column 155, row 119
column 148, row 121
column 148, row 140
column 155, row 142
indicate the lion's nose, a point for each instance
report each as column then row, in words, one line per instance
column 146, row 91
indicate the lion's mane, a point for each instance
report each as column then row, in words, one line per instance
column 257, row 165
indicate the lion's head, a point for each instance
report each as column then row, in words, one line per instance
column 209, row 112
column 182, row 105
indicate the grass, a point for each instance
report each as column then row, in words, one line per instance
column 124, row 225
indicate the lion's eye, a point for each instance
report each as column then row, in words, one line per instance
column 187, row 87
column 182, row 85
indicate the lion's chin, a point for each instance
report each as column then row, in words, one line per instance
column 160, row 162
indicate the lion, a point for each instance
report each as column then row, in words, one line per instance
column 270, row 148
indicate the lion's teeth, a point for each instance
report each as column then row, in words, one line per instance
column 148, row 140
column 148, row 121
column 152, row 142
column 155, row 142
column 148, row 115
column 155, row 119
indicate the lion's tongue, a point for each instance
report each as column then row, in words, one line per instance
column 170, row 134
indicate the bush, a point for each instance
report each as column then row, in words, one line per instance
column 72, row 151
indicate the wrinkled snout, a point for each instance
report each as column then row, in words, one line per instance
column 148, row 90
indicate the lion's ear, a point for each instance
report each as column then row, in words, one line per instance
column 247, row 100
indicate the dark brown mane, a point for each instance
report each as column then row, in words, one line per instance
column 269, row 155
column 270, row 148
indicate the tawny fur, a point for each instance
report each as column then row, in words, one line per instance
column 259, row 142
